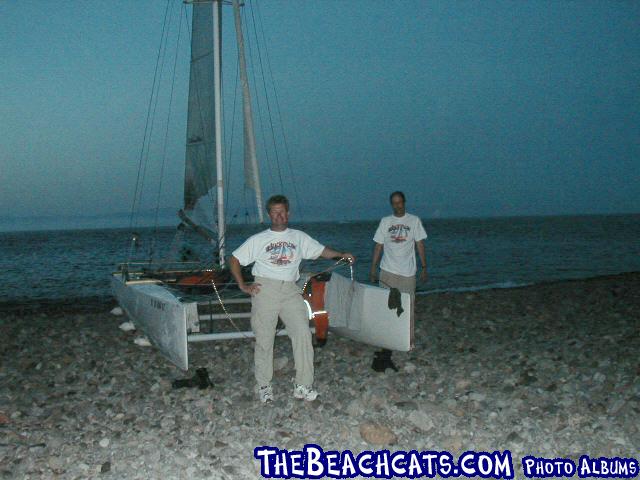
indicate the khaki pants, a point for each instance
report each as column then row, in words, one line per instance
column 282, row 299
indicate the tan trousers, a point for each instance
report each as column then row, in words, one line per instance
column 278, row 298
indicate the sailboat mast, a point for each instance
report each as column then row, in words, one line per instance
column 252, row 173
column 217, row 41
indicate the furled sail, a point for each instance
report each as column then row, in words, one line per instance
column 251, row 171
column 200, row 169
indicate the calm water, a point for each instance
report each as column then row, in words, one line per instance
column 462, row 253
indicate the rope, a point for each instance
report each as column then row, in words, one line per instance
column 224, row 309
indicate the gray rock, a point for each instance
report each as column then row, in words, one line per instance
column 205, row 448
column 280, row 363
column 409, row 367
column 167, row 423
column 599, row 377
column 230, row 470
column 406, row 405
column 421, row 420
column 355, row 408
column 514, row 437
column 477, row 397
column 56, row 465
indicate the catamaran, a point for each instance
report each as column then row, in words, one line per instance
column 177, row 302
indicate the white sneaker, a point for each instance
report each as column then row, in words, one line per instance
column 304, row 393
column 265, row 393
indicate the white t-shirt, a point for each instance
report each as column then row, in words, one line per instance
column 398, row 235
column 277, row 255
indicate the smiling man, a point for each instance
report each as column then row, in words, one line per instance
column 276, row 254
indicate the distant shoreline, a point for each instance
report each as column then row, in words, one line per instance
column 102, row 303
column 8, row 225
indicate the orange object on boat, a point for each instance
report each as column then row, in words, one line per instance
column 204, row 278
column 320, row 315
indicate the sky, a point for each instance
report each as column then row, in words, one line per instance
column 472, row 108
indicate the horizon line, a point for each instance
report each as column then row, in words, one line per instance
column 81, row 218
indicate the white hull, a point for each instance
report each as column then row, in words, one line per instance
column 171, row 322
column 158, row 313
column 361, row 312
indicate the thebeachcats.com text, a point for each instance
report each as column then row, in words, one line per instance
column 314, row 462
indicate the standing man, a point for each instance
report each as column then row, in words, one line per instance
column 398, row 236
column 277, row 253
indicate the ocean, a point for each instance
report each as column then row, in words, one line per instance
column 462, row 254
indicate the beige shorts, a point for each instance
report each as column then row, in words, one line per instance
column 402, row 283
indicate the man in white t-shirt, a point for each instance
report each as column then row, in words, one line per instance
column 276, row 254
column 398, row 236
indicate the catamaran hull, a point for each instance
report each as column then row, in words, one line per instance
column 159, row 314
column 361, row 312
column 357, row 311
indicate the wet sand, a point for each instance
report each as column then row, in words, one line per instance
column 549, row 370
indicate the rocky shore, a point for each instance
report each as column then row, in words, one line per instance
column 549, row 370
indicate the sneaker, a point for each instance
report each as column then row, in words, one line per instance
column 304, row 393
column 265, row 393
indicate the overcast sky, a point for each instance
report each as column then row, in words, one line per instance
column 473, row 108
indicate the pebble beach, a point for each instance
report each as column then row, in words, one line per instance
column 550, row 370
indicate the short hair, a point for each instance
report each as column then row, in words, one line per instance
column 398, row 193
column 277, row 199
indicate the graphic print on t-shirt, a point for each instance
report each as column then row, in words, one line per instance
column 399, row 232
column 281, row 253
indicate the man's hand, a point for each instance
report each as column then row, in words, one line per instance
column 348, row 256
column 330, row 253
column 251, row 289
column 373, row 275
column 423, row 275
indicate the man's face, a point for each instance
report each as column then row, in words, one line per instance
column 279, row 216
column 397, row 204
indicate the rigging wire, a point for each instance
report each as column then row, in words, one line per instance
column 138, row 185
column 230, row 141
column 153, row 114
column 166, row 137
column 264, row 86
column 263, row 137
column 279, row 112
column 257, row 69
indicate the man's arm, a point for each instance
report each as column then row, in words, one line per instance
column 236, row 271
column 375, row 258
column 423, row 260
column 330, row 253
